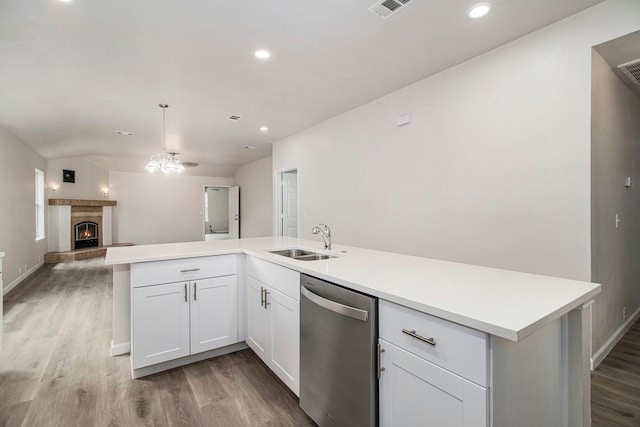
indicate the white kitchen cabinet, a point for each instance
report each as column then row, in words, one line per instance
column 258, row 328
column 214, row 319
column 273, row 318
column 415, row 392
column 182, row 318
column 285, row 337
column 432, row 372
column 160, row 323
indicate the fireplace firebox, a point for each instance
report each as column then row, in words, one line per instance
column 86, row 235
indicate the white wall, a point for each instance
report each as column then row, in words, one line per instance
column 17, row 210
column 615, row 155
column 494, row 168
column 154, row 208
column 256, row 198
column 90, row 178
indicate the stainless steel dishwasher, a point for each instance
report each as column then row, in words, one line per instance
column 338, row 337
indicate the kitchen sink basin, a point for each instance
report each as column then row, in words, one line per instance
column 313, row 257
column 302, row 254
column 292, row 253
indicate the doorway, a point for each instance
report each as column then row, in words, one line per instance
column 287, row 203
column 221, row 212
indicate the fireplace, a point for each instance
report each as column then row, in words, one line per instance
column 85, row 235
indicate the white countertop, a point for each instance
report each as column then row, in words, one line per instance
column 504, row 303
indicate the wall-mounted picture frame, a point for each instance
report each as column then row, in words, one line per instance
column 68, row 176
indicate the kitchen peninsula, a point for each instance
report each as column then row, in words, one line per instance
column 535, row 366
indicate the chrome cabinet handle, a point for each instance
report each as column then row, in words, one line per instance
column 413, row 334
column 185, row 292
column 195, row 290
column 261, row 296
column 380, row 368
column 189, row 270
column 265, row 299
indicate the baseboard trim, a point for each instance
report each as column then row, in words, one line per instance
column 120, row 348
column 21, row 278
column 165, row 366
column 606, row 348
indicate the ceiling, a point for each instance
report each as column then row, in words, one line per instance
column 74, row 73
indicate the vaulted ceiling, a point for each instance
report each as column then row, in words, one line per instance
column 74, row 73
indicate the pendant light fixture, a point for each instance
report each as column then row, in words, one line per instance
column 164, row 162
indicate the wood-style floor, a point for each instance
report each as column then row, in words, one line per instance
column 55, row 369
column 615, row 384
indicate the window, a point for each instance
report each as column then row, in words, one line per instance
column 39, row 204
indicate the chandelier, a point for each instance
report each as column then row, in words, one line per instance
column 164, row 162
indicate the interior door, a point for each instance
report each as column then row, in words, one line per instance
column 234, row 212
column 289, row 213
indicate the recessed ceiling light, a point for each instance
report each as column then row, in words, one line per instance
column 479, row 10
column 234, row 117
column 124, row 133
column 262, row 54
column 249, row 147
column 264, row 128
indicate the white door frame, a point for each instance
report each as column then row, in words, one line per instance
column 277, row 192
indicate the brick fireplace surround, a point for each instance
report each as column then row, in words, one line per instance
column 64, row 214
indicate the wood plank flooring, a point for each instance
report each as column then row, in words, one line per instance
column 55, row 369
column 615, row 384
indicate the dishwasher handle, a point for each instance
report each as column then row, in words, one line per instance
column 345, row 310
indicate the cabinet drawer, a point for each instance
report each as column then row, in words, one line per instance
column 280, row 278
column 177, row 270
column 458, row 349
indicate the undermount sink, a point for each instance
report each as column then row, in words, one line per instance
column 292, row 253
column 302, row 254
column 313, row 257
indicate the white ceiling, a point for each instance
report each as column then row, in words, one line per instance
column 72, row 74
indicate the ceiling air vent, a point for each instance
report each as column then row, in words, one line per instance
column 386, row 8
column 632, row 71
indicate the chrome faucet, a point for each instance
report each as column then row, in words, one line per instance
column 325, row 232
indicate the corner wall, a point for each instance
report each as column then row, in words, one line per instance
column 23, row 254
column 90, row 180
column 256, row 198
column 494, row 168
column 615, row 154
column 159, row 208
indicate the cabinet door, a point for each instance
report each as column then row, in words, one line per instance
column 415, row 392
column 214, row 320
column 160, row 323
column 285, row 338
column 258, row 328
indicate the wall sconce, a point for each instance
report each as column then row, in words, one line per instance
column 105, row 192
column 54, row 186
